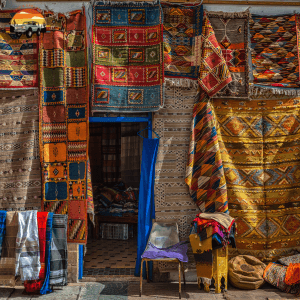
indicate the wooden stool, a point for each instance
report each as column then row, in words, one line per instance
column 219, row 265
column 180, row 268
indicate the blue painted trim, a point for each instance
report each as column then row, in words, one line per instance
column 117, row 119
column 149, row 125
column 80, row 262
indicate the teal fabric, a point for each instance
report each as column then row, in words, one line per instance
column 146, row 200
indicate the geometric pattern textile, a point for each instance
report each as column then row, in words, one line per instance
column 64, row 121
column 275, row 52
column 181, row 25
column 127, row 57
column 172, row 199
column 19, row 57
column 20, row 171
column 231, row 30
column 260, row 148
column 204, row 171
column 214, row 73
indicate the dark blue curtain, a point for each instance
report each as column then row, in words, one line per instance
column 146, row 200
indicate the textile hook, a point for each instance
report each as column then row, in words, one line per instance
column 148, row 127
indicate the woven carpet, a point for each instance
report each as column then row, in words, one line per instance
column 127, row 57
column 232, row 33
column 275, row 52
column 204, row 172
column 259, row 144
column 19, row 56
column 64, row 120
column 172, row 198
column 182, row 24
column 20, row 185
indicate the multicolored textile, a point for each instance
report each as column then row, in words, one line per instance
column 2, row 228
column 275, row 52
column 45, row 288
column 286, row 261
column 28, row 263
column 275, row 274
column 204, row 172
column 90, row 198
column 59, row 251
column 214, row 73
column 19, row 56
column 178, row 251
column 8, row 256
column 259, row 145
column 20, row 185
column 232, row 33
column 127, row 57
column 182, row 24
column 64, row 120
column 33, row 286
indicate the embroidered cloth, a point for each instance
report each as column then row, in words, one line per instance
column 28, row 263
column 204, row 172
column 2, row 228
column 182, row 24
column 64, row 120
column 33, row 286
column 8, row 256
column 20, row 185
column 45, row 288
column 232, row 34
column 275, row 52
column 128, row 70
column 19, row 56
column 224, row 219
column 292, row 275
column 59, row 251
column 259, row 146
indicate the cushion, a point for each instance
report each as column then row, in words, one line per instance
column 246, row 272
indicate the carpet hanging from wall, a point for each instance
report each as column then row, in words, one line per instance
column 127, row 72
column 20, row 185
column 204, row 171
column 232, row 34
column 18, row 55
column 182, row 30
column 259, row 144
column 275, row 52
column 64, row 120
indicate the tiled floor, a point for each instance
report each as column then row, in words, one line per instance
column 116, row 254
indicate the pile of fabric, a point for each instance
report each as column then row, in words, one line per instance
column 285, row 274
column 117, row 201
column 218, row 226
column 33, row 245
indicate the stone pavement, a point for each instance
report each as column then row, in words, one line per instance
column 128, row 290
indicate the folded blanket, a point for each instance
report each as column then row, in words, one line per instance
column 28, row 263
column 35, row 285
column 59, row 254
column 178, row 251
column 8, row 257
column 222, row 218
column 2, row 228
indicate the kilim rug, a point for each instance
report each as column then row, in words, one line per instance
column 232, row 34
column 19, row 56
column 275, row 53
column 20, row 185
column 64, row 120
column 127, row 57
column 172, row 199
column 8, row 256
column 204, row 172
column 182, row 24
column 259, row 144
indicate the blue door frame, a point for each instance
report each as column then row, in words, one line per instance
column 147, row 120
